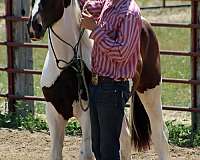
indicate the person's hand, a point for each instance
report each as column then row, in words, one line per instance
column 87, row 21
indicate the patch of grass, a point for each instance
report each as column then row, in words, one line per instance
column 148, row 3
column 1, row 7
column 173, row 38
column 175, row 67
column 37, row 88
column 176, row 94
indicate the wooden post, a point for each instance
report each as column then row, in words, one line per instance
column 22, row 56
column 195, row 35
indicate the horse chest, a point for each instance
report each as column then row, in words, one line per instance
column 65, row 91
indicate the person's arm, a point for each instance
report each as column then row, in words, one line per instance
column 119, row 48
column 93, row 7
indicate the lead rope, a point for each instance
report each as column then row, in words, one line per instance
column 84, row 83
column 75, row 49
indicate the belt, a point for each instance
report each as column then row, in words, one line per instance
column 96, row 79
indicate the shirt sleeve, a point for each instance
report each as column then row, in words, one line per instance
column 128, row 39
column 93, row 7
column 82, row 2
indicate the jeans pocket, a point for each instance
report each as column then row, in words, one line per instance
column 108, row 97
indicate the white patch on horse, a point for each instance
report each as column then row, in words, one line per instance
column 63, row 52
column 56, row 125
column 34, row 13
column 35, row 7
column 84, row 120
column 151, row 100
column 125, row 140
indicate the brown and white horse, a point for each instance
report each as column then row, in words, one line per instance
column 62, row 89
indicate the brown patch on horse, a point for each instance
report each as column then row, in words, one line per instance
column 147, row 77
column 148, row 73
column 65, row 90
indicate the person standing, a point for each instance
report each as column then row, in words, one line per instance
column 116, row 27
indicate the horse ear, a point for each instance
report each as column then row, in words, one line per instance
column 67, row 3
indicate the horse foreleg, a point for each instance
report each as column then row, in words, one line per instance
column 151, row 100
column 125, row 140
column 84, row 120
column 56, row 125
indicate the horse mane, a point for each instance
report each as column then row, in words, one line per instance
column 77, row 14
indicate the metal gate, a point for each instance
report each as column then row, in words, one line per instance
column 10, row 44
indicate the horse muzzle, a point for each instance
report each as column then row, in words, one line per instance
column 35, row 30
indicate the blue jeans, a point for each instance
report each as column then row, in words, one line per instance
column 107, row 101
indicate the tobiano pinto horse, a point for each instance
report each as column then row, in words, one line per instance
column 64, row 85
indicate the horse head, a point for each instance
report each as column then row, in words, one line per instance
column 44, row 14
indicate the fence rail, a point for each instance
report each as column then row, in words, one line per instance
column 193, row 54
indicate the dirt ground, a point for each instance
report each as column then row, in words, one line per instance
column 23, row 145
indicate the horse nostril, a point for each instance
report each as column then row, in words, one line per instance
column 31, row 34
column 36, row 25
column 39, row 28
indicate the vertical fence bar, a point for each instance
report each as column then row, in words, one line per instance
column 164, row 3
column 10, row 58
column 194, row 39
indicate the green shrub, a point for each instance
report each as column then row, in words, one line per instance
column 196, row 141
column 73, row 128
column 181, row 135
column 34, row 123
column 29, row 122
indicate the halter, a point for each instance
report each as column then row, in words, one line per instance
column 79, row 68
column 74, row 48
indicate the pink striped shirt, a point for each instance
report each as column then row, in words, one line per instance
column 117, row 37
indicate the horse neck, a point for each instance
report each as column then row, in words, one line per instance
column 66, row 30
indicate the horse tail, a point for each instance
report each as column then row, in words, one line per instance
column 140, row 125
